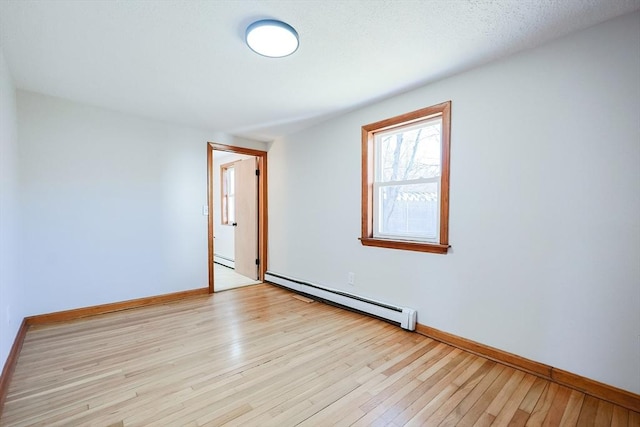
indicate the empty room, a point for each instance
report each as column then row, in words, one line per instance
column 319, row 213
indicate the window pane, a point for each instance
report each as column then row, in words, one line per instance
column 231, row 209
column 231, row 183
column 409, row 210
column 411, row 152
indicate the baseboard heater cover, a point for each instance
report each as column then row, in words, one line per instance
column 227, row 262
column 406, row 317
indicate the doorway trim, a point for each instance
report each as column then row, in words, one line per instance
column 262, row 204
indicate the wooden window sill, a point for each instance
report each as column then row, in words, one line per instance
column 405, row 245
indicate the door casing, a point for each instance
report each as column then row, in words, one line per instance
column 261, row 157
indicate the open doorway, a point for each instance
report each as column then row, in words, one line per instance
column 237, row 216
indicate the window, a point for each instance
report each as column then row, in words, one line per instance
column 227, row 177
column 405, row 181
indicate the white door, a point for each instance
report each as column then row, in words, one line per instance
column 246, row 215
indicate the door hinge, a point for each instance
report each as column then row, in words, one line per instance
column 257, row 172
column 257, row 262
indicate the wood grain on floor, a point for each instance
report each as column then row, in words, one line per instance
column 258, row 356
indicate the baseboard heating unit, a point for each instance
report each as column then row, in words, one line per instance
column 219, row 259
column 404, row 316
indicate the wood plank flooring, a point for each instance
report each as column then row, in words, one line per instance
column 259, row 356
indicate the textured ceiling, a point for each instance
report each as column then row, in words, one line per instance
column 185, row 61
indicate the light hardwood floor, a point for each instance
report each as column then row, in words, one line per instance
column 259, row 356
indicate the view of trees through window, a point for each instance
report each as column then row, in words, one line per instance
column 408, row 170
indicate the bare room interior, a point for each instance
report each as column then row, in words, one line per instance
column 419, row 212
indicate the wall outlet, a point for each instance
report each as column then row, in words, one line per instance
column 205, row 210
column 351, row 279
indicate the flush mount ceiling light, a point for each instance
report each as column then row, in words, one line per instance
column 272, row 38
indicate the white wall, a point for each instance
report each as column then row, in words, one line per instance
column 111, row 204
column 224, row 243
column 12, row 303
column 545, row 207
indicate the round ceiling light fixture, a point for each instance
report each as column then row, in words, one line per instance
column 272, row 38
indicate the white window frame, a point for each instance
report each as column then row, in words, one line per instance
column 378, row 183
